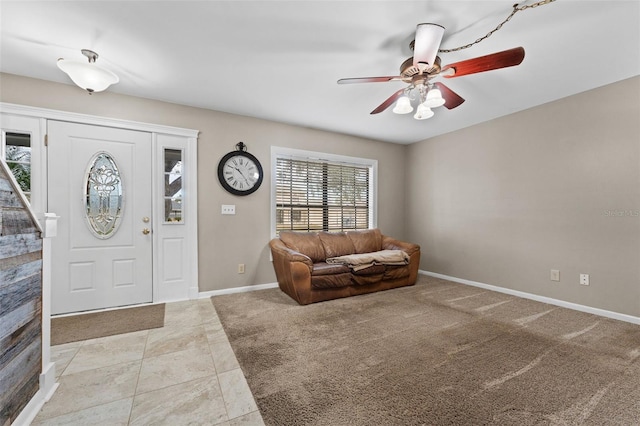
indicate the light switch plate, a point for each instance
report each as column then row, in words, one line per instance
column 228, row 209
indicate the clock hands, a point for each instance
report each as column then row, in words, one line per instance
column 243, row 176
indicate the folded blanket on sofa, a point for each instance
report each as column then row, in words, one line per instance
column 358, row 262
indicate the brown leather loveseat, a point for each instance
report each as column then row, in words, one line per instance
column 316, row 266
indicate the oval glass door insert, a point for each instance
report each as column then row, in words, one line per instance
column 103, row 196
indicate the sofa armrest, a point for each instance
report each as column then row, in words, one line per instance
column 389, row 243
column 413, row 250
column 293, row 271
column 279, row 249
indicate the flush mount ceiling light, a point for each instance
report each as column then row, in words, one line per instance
column 88, row 75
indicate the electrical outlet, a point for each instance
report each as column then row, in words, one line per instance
column 241, row 268
column 555, row 275
column 584, row 279
column 228, row 209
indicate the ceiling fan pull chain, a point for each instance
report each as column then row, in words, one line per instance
column 516, row 8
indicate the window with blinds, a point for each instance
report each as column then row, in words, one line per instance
column 321, row 196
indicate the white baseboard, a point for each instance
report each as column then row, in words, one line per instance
column 72, row 314
column 543, row 299
column 33, row 407
column 193, row 293
column 205, row 294
column 48, row 382
column 31, row 410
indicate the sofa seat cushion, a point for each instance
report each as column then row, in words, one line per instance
column 370, row 270
column 331, row 280
column 323, row 268
column 366, row 279
column 370, row 275
column 393, row 272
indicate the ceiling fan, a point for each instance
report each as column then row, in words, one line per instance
column 419, row 70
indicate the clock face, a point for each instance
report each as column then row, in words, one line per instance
column 240, row 173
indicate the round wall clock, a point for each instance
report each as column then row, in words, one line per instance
column 239, row 172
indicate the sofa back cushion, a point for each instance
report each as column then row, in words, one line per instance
column 307, row 243
column 366, row 241
column 336, row 244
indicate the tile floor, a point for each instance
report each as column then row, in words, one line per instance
column 183, row 373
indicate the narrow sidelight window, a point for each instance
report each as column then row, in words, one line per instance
column 17, row 154
column 173, row 184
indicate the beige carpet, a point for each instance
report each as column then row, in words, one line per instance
column 437, row 353
column 107, row 323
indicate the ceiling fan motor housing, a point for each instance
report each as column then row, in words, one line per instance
column 408, row 70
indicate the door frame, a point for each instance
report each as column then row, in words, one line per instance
column 185, row 139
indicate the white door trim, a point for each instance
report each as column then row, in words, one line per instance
column 191, row 203
column 51, row 114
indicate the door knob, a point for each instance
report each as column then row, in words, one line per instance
column 146, row 231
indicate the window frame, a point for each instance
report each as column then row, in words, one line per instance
column 304, row 155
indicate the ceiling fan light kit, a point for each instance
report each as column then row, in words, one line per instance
column 88, row 75
column 428, row 99
column 434, row 98
column 403, row 105
column 423, row 112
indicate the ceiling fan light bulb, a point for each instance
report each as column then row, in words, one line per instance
column 88, row 75
column 423, row 112
column 403, row 105
column 434, row 99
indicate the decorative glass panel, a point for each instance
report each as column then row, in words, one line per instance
column 173, row 186
column 103, row 195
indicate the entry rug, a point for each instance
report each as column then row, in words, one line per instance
column 437, row 353
column 106, row 323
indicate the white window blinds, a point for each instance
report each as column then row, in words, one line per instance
column 321, row 196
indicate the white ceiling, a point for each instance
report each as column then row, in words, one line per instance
column 280, row 60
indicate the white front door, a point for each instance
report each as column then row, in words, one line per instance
column 102, row 256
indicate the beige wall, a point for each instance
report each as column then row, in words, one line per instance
column 552, row 187
column 226, row 241
column 501, row 202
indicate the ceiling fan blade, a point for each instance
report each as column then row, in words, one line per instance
column 368, row 79
column 426, row 45
column 504, row 59
column 386, row 104
column 451, row 98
